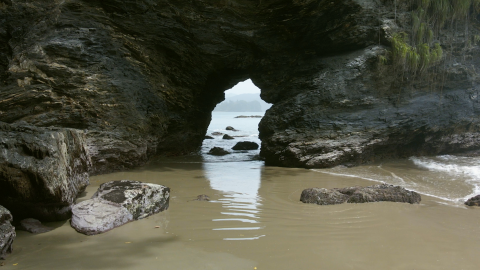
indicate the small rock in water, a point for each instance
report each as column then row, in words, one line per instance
column 245, row 145
column 217, row 133
column 231, row 128
column 375, row 193
column 227, row 137
column 218, row 151
column 33, row 226
column 474, row 201
column 202, row 197
column 209, row 137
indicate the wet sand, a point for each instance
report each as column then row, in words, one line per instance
column 255, row 219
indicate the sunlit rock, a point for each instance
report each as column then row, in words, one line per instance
column 118, row 202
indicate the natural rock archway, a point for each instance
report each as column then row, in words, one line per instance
column 141, row 78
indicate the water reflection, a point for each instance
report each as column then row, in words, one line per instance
column 239, row 183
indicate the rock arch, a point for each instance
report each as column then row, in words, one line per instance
column 141, row 77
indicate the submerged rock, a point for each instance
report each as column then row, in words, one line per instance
column 42, row 170
column 217, row 133
column 118, row 202
column 231, row 128
column 474, row 201
column 227, row 137
column 202, row 197
column 208, row 137
column 7, row 232
column 245, row 145
column 218, row 151
column 375, row 193
column 33, row 226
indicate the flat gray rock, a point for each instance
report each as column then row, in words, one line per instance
column 33, row 226
column 7, row 232
column 375, row 193
column 118, row 202
column 96, row 216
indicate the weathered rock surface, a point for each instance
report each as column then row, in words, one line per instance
column 474, row 201
column 118, row 202
column 7, row 232
column 142, row 78
column 33, row 226
column 227, row 137
column 245, row 145
column 375, row 193
column 42, row 170
column 218, row 151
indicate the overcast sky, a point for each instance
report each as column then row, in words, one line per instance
column 243, row 88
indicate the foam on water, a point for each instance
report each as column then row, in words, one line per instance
column 452, row 179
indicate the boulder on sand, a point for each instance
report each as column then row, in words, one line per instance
column 116, row 203
column 218, row 151
column 245, row 145
column 474, row 201
column 7, row 232
column 375, row 193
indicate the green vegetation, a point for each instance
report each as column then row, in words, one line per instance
column 421, row 51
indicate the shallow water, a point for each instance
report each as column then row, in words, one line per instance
column 255, row 219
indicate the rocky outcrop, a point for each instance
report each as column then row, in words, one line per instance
column 7, row 232
column 227, row 137
column 474, row 201
column 42, row 170
column 118, row 202
column 33, row 226
column 142, row 78
column 245, row 145
column 375, row 193
column 218, row 151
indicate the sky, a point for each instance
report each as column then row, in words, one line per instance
column 246, row 87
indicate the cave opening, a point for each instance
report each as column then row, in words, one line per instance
column 235, row 120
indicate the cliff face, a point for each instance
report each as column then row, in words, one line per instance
column 142, row 77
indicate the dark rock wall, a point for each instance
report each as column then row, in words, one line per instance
column 42, row 170
column 142, row 77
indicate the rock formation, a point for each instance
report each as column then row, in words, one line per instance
column 218, row 151
column 42, row 170
column 245, row 145
column 142, row 77
column 375, row 193
column 474, row 201
column 118, row 202
column 7, row 232
column 227, row 137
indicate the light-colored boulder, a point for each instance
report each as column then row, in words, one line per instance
column 118, row 202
